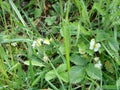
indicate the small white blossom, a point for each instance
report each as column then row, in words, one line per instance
column 96, row 59
column 94, row 46
column 37, row 43
column 37, row 53
column 14, row 44
column 46, row 41
column 92, row 43
column 34, row 44
column 98, row 65
column 39, row 40
column 45, row 58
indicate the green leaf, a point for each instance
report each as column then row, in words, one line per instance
column 50, row 20
column 113, row 44
column 101, row 36
column 94, row 72
column 56, row 8
column 78, row 60
column 62, row 49
column 37, row 12
column 77, row 74
column 61, row 70
column 34, row 63
column 64, row 76
column 50, row 75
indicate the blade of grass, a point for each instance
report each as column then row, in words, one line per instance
column 57, row 75
column 19, row 16
column 38, row 78
column 2, row 65
column 61, row 8
column 15, row 40
column 53, row 86
column 17, row 12
column 33, row 27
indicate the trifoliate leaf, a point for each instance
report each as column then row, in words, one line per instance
column 78, row 60
column 94, row 72
column 77, row 73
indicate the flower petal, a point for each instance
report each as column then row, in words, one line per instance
column 98, row 65
column 97, row 46
column 92, row 43
column 46, row 41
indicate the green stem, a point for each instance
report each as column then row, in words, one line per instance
column 66, row 33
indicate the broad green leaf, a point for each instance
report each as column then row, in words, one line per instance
column 62, row 49
column 77, row 73
column 84, row 31
column 37, row 12
column 50, row 20
column 113, row 44
column 50, row 75
column 82, row 45
column 78, row 60
column 94, row 72
column 34, row 63
column 61, row 70
column 101, row 35
column 64, row 76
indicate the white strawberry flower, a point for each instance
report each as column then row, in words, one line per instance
column 92, row 43
column 34, row 44
column 37, row 42
column 94, row 46
column 45, row 58
column 14, row 44
column 98, row 65
column 96, row 59
column 46, row 41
